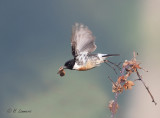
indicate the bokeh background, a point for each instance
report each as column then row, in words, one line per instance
column 35, row 42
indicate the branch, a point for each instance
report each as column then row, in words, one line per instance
column 140, row 78
column 111, row 67
column 114, row 105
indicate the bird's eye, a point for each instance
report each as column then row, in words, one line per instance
column 69, row 64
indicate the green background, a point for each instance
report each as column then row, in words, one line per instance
column 35, row 42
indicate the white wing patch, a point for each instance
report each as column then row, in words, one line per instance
column 81, row 60
column 76, row 66
column 101, row 56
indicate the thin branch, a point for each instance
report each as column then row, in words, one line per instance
column 111, row 67
column 114, row 104
column 136, row 79
column 140, row 78
column 117, row 65
column 144, row 69
column 112, row 81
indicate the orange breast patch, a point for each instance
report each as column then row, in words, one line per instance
column 89, row 65
column 82, row 68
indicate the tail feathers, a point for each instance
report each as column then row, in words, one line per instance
column 108, row 55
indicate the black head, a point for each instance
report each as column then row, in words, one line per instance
column 69, row 64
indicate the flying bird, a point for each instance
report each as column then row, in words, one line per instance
column 83, row 44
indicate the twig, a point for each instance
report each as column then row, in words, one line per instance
column 115, row 100
column 112, row 81
column 117, row 65
column 111, row 67
column 136, row 79
column 140, row 78
column 122, row 82
column 114, row 104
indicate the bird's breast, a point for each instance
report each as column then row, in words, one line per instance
column 87, row 66
column 87, row 63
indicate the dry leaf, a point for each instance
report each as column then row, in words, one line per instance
column 132, row 65
column 117, row 88
column 128, row 85
column 122, row 79
column 113, row 106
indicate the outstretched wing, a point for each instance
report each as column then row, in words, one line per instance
column 82, row 40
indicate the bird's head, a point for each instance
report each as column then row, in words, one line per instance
column 69, row 64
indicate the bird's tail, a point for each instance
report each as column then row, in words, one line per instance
column 109, row 55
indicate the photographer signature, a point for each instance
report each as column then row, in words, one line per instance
column 15, row 110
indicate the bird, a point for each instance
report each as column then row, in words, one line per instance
column 82, row 46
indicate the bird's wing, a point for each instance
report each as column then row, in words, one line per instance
column 82, row 40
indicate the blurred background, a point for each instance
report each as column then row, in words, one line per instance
column 35, row 42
